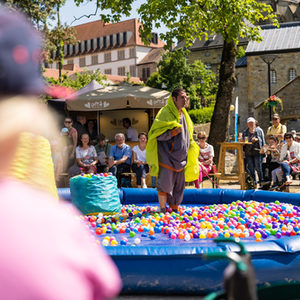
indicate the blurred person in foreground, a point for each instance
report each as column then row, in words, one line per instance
column 55, row 257
column 171, row 151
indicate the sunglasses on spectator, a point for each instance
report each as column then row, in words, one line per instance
column 201, row 137
column 275, row 119
column 288, row 137
column 68, row 121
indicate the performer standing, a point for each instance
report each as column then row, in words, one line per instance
column 171, row 151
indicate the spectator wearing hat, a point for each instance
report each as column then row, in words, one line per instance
column 253, row 158
column 277, row 129
column 103, row 151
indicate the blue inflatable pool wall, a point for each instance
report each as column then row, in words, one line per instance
column 170, row 267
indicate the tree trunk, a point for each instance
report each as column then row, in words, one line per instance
column 219, row 121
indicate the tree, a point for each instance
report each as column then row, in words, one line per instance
column 175, row 71
column 78, row 80
column 188, row 20
column 40, row 13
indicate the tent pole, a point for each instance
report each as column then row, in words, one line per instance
column 98, row 123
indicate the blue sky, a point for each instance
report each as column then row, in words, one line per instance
column 70, row 10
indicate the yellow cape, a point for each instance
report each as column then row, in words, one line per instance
column 167, row 119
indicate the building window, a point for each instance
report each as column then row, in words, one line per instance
column 207, row 54
column 132, row 70
column 154, row 38
column 98, row 43
column 70, row 62
column 82, row 62
column 208, row 66
column 132, row 52
column 94, row 59
column 104, row 41
column 107, row 57
column 292, row 74
column 74, row 49
column 273, row 76
column 79, row 47
column 219, row 58
column 111, row 40
column 92, row 44
column 107, row 71
column 146, row 73
column 121, row 54
column 118, row 39
column 121, row 71
column 68, row 49
column 85, row 46
column 124, row 37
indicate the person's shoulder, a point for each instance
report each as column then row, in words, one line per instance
column 135, row 148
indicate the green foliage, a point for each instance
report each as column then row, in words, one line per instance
column 39, row 12
column 241, row 52
column 201, row 116
column 78, row 80
column 175, row 71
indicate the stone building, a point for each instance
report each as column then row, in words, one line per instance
column 281, row 49
column 148, row 64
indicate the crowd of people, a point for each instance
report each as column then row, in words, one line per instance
column 269, row 159
column 272, row 157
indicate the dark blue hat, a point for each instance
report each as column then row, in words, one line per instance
column 20, row 55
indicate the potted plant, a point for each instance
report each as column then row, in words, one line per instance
column 272, row 102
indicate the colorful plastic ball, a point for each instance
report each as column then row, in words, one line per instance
column 113, row 243
column 187, row 237
column 105, row 243
column 152, row 237
column 137, row 241
column 132, row 234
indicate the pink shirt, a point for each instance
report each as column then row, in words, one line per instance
column 46, row 252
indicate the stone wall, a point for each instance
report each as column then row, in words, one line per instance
column 208, row 57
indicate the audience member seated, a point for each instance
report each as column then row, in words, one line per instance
column 277, row 129
column 206, row 156
column 86, row 157
column 289, row 157
column 92, row 131
column 131, row 132
column 70, row 136
column 103, row 153
column 120, row 158
column 271, row 167
column 140, row 166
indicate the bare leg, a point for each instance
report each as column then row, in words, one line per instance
column 162, row 199
column 143, row 182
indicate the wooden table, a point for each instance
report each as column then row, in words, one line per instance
column 240, row 175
